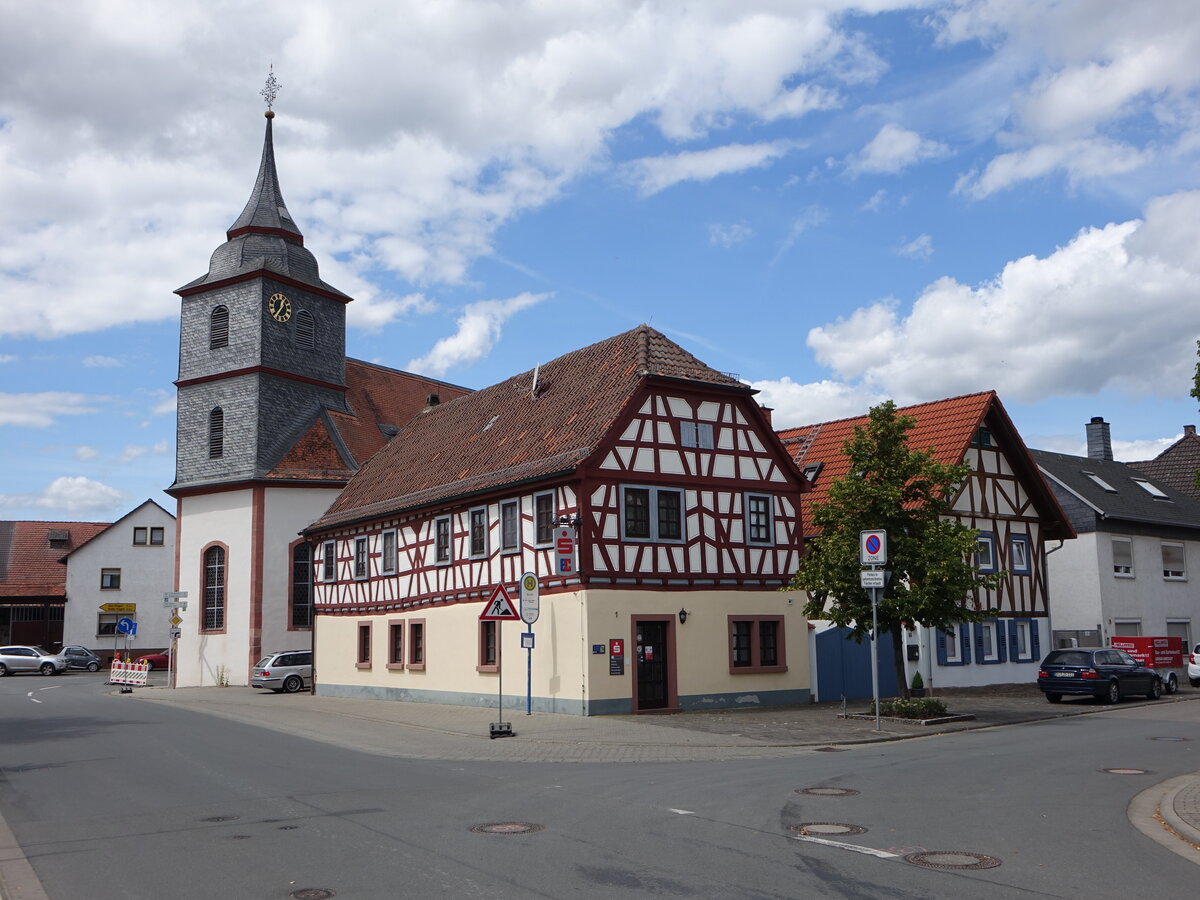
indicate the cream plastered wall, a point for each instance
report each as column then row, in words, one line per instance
column 207, row 659
column 566, row 675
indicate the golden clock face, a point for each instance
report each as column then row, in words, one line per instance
column 280, row 307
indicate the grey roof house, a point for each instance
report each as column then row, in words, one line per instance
column 1138, row 546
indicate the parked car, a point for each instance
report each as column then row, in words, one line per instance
column 155, row 660
column 31, row 659
column 1103, row 672
column 81, row 658
column 1194, row 666
column 288, row 671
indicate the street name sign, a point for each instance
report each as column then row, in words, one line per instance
column 119, row 607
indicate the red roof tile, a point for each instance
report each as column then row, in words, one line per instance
column 945, row 427
column 30, row 566
column 1176, row 466
column 504, row 434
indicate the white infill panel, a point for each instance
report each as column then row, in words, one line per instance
column 747, row 469
column 708, row 411
column 670, row 462
column 665, row 434
column 644, row 462
column 710, row 559
column 632, row 430
column 725, row 439
column 723, row 466
column 680, row 408
column 626, row 455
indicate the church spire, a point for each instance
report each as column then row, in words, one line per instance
column 265, row 211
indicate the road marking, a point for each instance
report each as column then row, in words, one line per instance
column 854, row 848
column 33, row 698
column 682, row 812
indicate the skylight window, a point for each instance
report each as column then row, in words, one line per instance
column 1152, row 490
column 1101, row 482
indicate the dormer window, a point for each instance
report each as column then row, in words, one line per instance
column 983, row 437
column 812, row 470
column 1100, row 482
column 1151, row 489
column 218, row 328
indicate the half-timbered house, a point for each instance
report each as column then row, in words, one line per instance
column 686, row 510
column 1005, row 498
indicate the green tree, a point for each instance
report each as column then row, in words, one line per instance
column 930, row 554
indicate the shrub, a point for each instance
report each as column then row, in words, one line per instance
column 918, row 682
column 914, row 708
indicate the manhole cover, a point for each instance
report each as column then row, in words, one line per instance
column 827, row 791
column 1126, row 771
column 507, row 828
column 951, row 859
column 830, row 749
column 1179, row 739
column 221, row 819
column 311, row 894
column 826, row 829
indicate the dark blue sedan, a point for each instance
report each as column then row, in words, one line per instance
column 1104, row 673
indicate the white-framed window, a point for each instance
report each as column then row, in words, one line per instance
column 1173, row 561
column 812, row 470
column 510, row 526
column 328, row 561
column 696, row 434
column 479, row 532
column 543, row 518
column 651, row 513
column 1022, row 639
column 988, row 651
column 1018, row 554
column 759, row 522
column 1122, row 553
column 361, row 569
column 110, row 579
column 953, row 645
column 442, row 551
column 985, row 552
column 387, row 559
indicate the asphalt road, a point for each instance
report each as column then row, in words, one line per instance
column 114, row 798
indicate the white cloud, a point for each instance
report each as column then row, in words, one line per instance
column 41, row 410
column 729, row 235
column 85, row 452
column 1112, row 309
column 479, row 328
column 71, row 495
column 101, row 362
column 875, row 201
column 405, row 139
column 810, row 217
column 1080, row 160
column 920, row 247
column 7, row 358
column 131, row 453
column 804, row 404
column 894, row 149
column 161, row 448
column 381, row 311
column 652, row 175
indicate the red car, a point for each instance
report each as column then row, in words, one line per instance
column 156, row 660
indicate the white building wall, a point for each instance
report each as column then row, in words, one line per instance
column 147, row 572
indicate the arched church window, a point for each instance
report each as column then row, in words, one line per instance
column 214, row 589
column 302, row 608
column 218, row 328
column 306, row 329
column 216, row 433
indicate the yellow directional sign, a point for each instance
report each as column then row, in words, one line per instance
column 119, row 607
column 176, row 621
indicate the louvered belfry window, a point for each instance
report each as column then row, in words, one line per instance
column 216, row 433
column 218, row 328
column 306, row 329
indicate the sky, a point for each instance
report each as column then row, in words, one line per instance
column 839, row 203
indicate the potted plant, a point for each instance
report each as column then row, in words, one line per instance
column 918, row 686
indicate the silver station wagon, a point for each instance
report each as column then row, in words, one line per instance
column 288, row 671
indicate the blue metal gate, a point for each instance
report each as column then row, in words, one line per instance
column 844, row 666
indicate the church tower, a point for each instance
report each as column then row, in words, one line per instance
column 273, row 420
column 262, row 344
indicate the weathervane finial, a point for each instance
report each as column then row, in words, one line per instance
column 270, row 90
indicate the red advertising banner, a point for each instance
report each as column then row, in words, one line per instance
column 1155, row 652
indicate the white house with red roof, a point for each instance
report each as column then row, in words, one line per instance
column 1005, row 498
column 686, row 511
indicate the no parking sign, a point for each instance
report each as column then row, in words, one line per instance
column 872, row 548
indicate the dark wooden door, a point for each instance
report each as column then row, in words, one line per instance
column 652, row 665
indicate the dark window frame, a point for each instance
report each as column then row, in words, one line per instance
column 651, row 522
column 760, row 521
column 214, row 560
column 753, row 640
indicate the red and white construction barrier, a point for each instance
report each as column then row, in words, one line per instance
column 128, row 673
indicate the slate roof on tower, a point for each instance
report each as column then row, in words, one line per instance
column 264, row 238
column 509, row 433
column 947, row 428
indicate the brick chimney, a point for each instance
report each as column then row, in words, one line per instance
column 1099, row 443
column 1189, row 430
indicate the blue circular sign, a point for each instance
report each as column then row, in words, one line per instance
column 124, row 625
column 873, row 544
